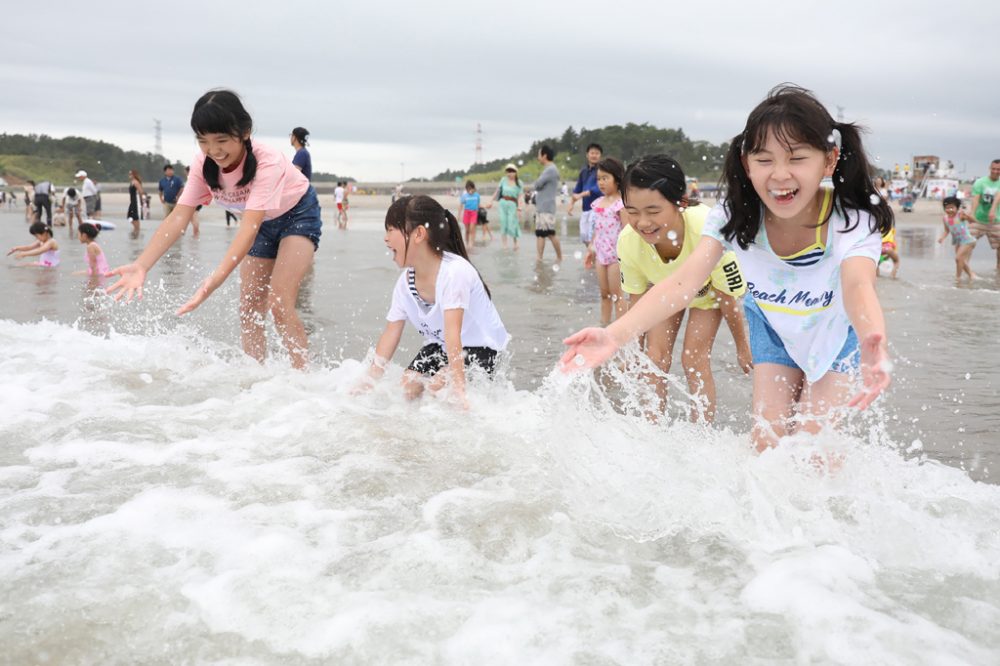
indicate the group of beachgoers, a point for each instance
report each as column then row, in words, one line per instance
column 788, row 258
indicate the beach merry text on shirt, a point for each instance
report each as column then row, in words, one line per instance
column 803, row 298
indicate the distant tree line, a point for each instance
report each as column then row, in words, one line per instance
column 625, row 142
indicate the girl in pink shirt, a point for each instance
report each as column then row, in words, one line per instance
column 278, row 233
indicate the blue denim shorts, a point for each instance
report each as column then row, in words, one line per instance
column 302, row 220
column 766, row 346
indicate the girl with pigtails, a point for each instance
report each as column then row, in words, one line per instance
column 443, row 295
column 279, row 229
column 805, row 222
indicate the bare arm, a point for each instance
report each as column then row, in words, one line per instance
column 386, row 347
column 732, row 311
column 453, row 349
column 22, row 248
column 592, row 346
column 166, row 235
column 945, row 233
column 857, row 278
column 37, row 249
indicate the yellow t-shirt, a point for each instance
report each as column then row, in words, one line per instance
column 642, row 267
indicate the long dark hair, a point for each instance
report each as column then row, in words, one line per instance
column 222, row 112
column 794, row 115
column 445, row 234
column 658, row 172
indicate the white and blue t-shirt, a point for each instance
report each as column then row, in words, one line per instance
column 470, row 200
column 458, row 287
column 803, row 302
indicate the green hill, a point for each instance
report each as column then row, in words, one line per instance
column 700, row 159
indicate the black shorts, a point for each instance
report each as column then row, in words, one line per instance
column 431, row 358
column 545, row 233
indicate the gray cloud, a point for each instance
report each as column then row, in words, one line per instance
column 378, row 83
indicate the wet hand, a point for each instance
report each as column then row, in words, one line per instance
column 132, row 277
column 202, row 293
column 590, row 259
column 588, row 348
column 876, row 371
column 745, row 359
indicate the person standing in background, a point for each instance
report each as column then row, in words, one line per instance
column 586, row 189
column 89, row 192
column 43, row 201
column 135, row 192
column 302, row 160
column 170, row 189
column 985, row 197
column 546, row 188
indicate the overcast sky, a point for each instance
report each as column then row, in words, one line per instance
column 396, row 88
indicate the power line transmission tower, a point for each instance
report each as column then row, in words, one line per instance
column 479, row 144
column 158, row 136
column 840, row 114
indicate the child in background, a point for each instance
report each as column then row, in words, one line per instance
column 955, row 225
column 664, row 228
column 97, row 264
column 44, row 247
column 440, row 293
column 279, row 229
column 606, row 214
column 72, row 204
column 889, row 251
column 339, row 195
column 810, row 286
column 470, row 212
column 483, row 220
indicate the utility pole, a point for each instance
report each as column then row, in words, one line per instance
column 158, row 136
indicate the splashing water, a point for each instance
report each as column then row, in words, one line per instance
column 258, row 513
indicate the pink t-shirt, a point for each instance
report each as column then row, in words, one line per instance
column 275, row 189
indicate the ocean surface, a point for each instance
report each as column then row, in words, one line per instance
column 164, row 499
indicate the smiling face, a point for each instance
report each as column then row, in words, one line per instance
column 786, row 177
column 395, row 241
column 653, row 217
column 225, row 150
column 950, row 210
column 995, row 171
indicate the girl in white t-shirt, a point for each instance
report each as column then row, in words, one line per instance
column 442, row 295
column 279, row 227
column 808, row 252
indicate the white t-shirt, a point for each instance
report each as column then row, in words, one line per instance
column 338, row 195
column 458, row 286
column 89, row 189
column 803, row 304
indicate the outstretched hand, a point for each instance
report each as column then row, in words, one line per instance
column 203, row 292
column 131, row 279
column 876, row 371
column 588, row 348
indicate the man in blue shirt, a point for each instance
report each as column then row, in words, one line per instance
column 170, row 188
column 586, row 189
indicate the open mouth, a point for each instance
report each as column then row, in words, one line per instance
column 783, row 196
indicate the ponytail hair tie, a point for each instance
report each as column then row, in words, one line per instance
column 835, row 138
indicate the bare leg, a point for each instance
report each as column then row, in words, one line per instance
column 659, row 346
column 255, row 276
column 295, row 257
column 558, row 246
column 702, row 327
column 615, row 287
column 602, row 282
column 776, row 390
column 819, row 399
column 540, row 247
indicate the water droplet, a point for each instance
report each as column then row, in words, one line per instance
column 672, row 235
column 830, row 138
column 578, row 255
column 704, row 157
column 968, row 375
column 579, row 360
column 875, row 199
column 555, row 268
